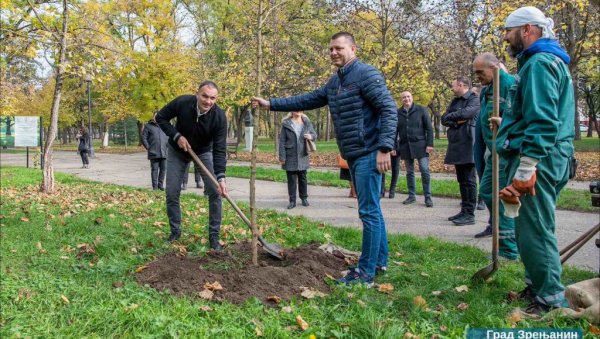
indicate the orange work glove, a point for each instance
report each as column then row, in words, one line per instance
column 524, row 179
column 509, row 197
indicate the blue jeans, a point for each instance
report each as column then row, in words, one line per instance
column 367, row 182
column 425, row 177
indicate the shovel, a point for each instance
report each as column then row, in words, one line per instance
column 273, row 249
column 486, row 272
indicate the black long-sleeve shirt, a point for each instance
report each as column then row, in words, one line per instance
column 204, row 132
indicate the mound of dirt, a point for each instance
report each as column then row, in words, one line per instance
column 304, row 268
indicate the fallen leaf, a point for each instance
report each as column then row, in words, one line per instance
column 131, row 307
column 443, row 328
column 462, row 288
column 206, row 294
column 303, row 324
column 514, row 316
column 398, row 254
column 98, row 221
column 419, row 301
column 258, row 331
column 25, row 219
column 65, row 299
column 117, row 284
column 311, row 293
column 437, row 293
column 440, row 307
column 328, row 276
column 287, row 309
column 385, row 288
column 274, row 299
column 312, row 336
column 424, row 274
column 350, row 296
column 594, row 330
column 409, row 335
column 361, row 303
column 462, row 306
column 216, row 286
column 400, row 263
column 141, row 268
column 205, row 308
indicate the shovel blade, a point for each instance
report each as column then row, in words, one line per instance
column 484, row 273
column 273, row 249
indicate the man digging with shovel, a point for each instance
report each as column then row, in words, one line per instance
column 202, row 127
column 535, row 139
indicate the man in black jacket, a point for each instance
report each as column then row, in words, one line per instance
column 460, row 119
column 415, row 141
column 201, row 126
column 155, row 142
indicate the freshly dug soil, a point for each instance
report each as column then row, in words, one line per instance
column 304, row 267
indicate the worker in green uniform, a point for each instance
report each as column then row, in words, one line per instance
column 536, row 139
column 483, row 67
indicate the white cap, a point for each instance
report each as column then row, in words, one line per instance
column 533, row 16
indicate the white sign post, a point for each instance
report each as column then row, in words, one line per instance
column 26, row 133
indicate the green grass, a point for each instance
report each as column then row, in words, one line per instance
column 570, row 199
column 587, row 144
column 39, row 265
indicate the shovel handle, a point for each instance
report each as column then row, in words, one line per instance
column 495, row 169
column 214, row 181
column 577, row 244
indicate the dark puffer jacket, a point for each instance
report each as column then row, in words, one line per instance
column 363, row 110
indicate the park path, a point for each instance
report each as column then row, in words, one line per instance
column 328, row 204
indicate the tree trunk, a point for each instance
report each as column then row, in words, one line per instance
column 47, row 185
column 105, row 128
column 254, row 243
column 140, row 126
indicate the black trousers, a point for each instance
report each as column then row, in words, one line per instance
column 158, row 170
column 84, row 157
column 302, row 183
column 467, row 180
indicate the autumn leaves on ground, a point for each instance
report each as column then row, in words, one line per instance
column 91, row 260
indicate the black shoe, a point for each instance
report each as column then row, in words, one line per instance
column 174, row 236
column 380, row 270
column 537, row 309
column 200, row 184
column 487, row 232
column 183, row 187
column 392, row 194
column 213, row 239
column 428, row 202
column 464, row 220
column 480, row 205
column 456, row 216
column 305, row 202
column 291, row 205
column 409, row 201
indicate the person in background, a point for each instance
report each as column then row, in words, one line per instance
column 293, row 154
column 414, row 142
column 85, row 144
column 460, row 119
column 197, row 177
column 154, row 141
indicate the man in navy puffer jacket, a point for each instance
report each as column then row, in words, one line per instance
column 365, row 119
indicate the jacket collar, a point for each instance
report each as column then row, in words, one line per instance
column 347, row 68
column 410, row 109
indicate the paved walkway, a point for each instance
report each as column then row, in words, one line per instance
column 330, row 205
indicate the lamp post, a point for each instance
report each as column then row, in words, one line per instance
column 88, row 79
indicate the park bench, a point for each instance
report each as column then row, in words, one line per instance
column 232, row 147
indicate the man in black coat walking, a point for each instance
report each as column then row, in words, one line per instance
column 155, row 142
column 415, row 141
column 460, row 118
column 201, row 126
